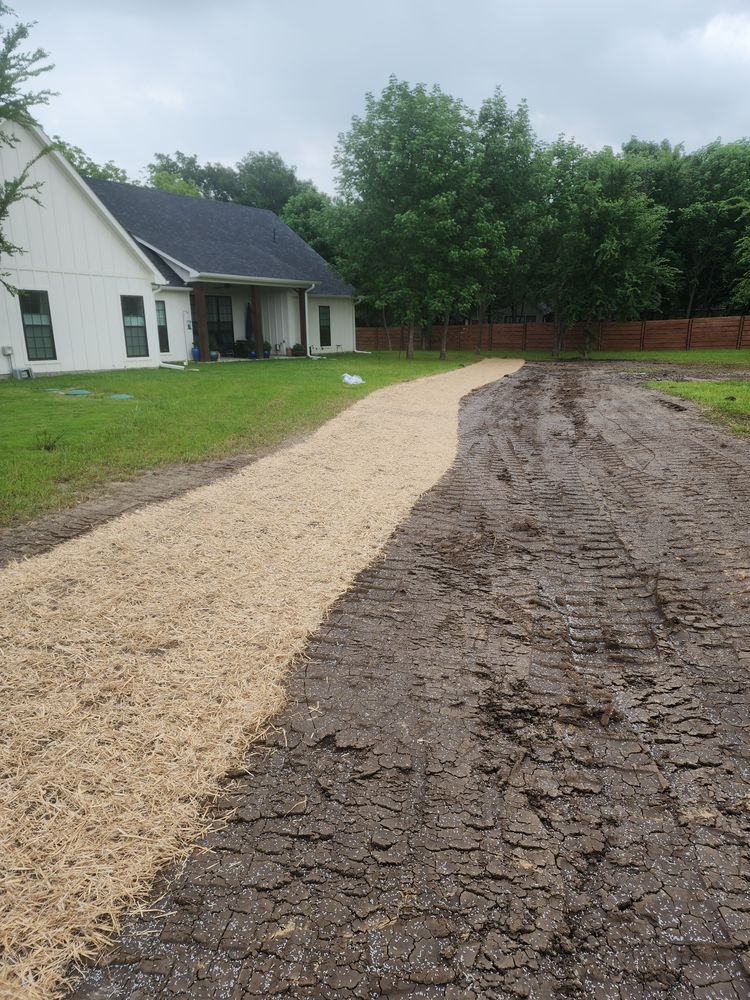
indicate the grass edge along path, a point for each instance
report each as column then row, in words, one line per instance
column 138, row 661
column 726, row 402
column 57, row 449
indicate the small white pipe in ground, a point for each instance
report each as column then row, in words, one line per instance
column 361, row 352
column 175, row 368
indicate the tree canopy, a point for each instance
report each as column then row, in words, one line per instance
column 445, row 212
column 18, row 69
column 262, row 180
column 83, row 163
column 414, row 226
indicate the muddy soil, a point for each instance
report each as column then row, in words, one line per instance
column 515, row 761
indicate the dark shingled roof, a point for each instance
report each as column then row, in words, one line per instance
column 216, row 237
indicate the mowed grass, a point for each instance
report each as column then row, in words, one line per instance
column 727, row 402
column 56, row 449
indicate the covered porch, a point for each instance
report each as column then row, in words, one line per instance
column 246, row 319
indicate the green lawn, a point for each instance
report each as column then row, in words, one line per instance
column 727, row 402
column 173, row 417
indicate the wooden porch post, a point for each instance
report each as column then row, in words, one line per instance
column 201, row 319
column 257, row 315
column 301, row 292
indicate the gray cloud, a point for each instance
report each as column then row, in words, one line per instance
column 289, row 75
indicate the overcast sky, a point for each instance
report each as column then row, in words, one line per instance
column 217, row 79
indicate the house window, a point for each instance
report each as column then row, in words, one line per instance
column 324, row 325
column 37, row 326
column 220, row 323
column 161, row 326
column 134, row 321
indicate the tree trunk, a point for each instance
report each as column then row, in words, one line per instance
column 588, row 336
column 444, row 338
column 410, row 342
column 559, row 337
column 387, row 330
column 689, row 312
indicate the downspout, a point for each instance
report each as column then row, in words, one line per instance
column 303, row 305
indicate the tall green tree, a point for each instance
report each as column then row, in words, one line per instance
column 265, row 181
column 705, row 194
column 414, row 226
column 740, row 299
column 513, row 171
column 311, row 214
column 18, row 68
column 602, row 240
column 262, row 180
column 717, row 181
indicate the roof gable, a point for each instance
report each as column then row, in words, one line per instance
column 64, row 189
column 214, row 237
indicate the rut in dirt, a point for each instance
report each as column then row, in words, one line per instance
column 515, row 762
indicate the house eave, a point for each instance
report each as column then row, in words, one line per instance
column 172, row 261
column 245, row 279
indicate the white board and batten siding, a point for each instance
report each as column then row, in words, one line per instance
column 343, row 331
column 76, row 255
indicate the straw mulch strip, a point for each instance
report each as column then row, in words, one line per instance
column 137, row 662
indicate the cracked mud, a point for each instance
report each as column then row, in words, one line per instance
column 514, row 762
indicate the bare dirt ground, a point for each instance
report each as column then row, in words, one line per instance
column 515, row 759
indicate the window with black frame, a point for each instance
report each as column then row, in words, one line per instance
column 324, row 325
column 37, row 326
column 134, row 322
column 161, row 326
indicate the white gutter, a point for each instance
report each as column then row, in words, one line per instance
column 244, row 279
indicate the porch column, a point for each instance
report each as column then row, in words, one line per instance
column 201, row 319
column 257, row 315
column 301, row 292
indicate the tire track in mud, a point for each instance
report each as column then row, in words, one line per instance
column 515, row 762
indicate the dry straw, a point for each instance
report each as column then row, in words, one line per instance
column 137, row 662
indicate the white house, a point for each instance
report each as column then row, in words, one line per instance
column 116, row 276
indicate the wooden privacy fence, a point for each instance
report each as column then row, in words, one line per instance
column 649, row 335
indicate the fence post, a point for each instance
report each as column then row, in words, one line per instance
column 689, row 338
column 524, row 335
column 740, row 331
column 642, row 345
